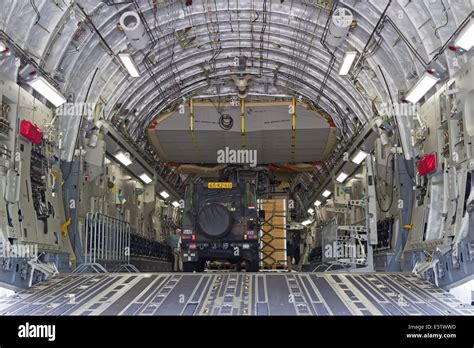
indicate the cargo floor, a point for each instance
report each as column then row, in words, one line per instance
column 235, row 294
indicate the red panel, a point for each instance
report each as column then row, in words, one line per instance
column 31, row 131
column 426, row 164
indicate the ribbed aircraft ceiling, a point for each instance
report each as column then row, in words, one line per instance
column 192, row 49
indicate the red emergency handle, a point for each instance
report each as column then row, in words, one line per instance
column 31, row 131
column 426, row 164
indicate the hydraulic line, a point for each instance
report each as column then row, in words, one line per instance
column 242, row 127
column 191, row 129
column 293, row 128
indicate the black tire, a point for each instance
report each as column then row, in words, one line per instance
column 189, row 266
column 197, row 266
column 254, row 266
column 238, row 266
column 200, row 266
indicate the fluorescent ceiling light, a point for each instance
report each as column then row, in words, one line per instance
column 347, row 62
column 343, row 176
column 318, row 203
column 465, row 40
column 327, row 193
column 47, row 90
column 306, row 222
column 311, row 211
column 164, row 194
column 175, row 204
column 145, row 178
column 361, row 155
column 422, row 87
column 123, row 158
column 129, row 64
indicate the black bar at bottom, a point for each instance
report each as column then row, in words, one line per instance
column 294, row 331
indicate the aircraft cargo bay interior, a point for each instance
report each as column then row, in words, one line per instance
column 238, row 158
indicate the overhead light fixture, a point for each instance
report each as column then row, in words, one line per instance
column 361, row 155
column 318, row 203
column 47, row 90
column 164, row 194
column 175, row 204
column 465, row 39
column 145, row 178
column 341, row 177
column 123, row 158
column 422, row 87
column 306, row 222
column 327, row 193
column 129, row 64
column 311, row 211
column 347, row 62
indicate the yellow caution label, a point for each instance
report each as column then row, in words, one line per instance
column 219, row 185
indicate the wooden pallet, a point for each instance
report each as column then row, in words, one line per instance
column 273, row 234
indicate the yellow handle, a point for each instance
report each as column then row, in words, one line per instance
column 64, row 227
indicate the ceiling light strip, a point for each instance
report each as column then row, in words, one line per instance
column 129, row 64
column 347, row 62
column 465, row 39
column 359, row 157
column 145, row 178
column 342, row 177
column 123, row 158
column 421, row 88
column 47, row 90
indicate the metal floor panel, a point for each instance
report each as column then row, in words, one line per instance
column 235, row 294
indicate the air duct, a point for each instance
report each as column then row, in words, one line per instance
column 134, row 30
column 242, row 85
column 339, row 26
